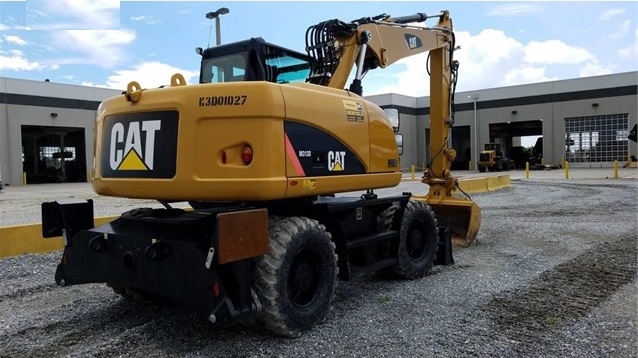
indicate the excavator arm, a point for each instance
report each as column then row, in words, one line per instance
column 378, row 42
column 369, row 43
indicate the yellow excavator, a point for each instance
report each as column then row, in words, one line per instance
column 268, row 149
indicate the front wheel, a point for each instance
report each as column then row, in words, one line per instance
column 296, row 279
column 418, row 241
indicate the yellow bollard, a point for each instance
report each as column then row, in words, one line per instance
column 615, row 169
column 566, row 170
column 24, row 178
column 412, row 172
column 526, row 170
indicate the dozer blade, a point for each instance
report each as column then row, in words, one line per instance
column 462, row 216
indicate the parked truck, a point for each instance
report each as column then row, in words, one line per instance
column 492, row 159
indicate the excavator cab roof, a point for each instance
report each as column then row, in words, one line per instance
column 253, row 60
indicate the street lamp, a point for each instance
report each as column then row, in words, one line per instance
column 215, row 15
column 475, row 152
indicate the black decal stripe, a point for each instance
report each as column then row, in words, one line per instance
column 522, row 101
column 307, row 138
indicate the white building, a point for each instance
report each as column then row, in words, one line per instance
column 585, row 121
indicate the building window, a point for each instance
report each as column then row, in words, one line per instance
column 52, row 156
column 596, row 139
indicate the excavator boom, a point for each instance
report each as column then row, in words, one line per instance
column 369, row 43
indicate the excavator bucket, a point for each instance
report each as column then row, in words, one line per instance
column 461, row 216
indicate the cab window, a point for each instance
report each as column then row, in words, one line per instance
column 229, row 68
column 285, row 69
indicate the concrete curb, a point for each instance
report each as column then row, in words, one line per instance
column 27, row 239
column 481, row 184
column 484, row 184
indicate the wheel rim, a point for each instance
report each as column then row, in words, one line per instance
column 304, row 279
column 416, row 244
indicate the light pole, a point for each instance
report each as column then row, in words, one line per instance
column 476, row 150
column 215, row 15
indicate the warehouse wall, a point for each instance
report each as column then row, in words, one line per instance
column 550, row 102
column 24, row 102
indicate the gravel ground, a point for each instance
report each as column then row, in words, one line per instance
column 552, row 273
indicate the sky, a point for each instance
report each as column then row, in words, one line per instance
column 108, row 43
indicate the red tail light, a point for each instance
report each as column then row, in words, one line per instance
column 247, row 155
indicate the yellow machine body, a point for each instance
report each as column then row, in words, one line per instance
column 304, row 139
column 187, row 142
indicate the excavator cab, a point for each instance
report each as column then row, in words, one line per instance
column 253, row 60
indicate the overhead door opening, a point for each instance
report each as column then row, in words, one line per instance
column 597, row 140
column 53, row 154
column 521, row 141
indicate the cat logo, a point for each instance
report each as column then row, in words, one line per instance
column 131, row 157
column 413, row 41
column 140, row 145
column 336, row 161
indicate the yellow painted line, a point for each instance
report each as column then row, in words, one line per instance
column 27, row 239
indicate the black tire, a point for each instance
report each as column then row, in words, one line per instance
column 506, row 165
column 418, row 241
column 296, row 279
column 482, row 169
column 385, row 220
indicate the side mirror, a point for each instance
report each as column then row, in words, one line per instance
column 393, row 118
column 399, row 139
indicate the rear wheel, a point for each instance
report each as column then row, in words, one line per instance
column 418, row 241
column 481, row 169
column 296, row 279
column 385, row 220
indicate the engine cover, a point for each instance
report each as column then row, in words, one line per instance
column 242, row 141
